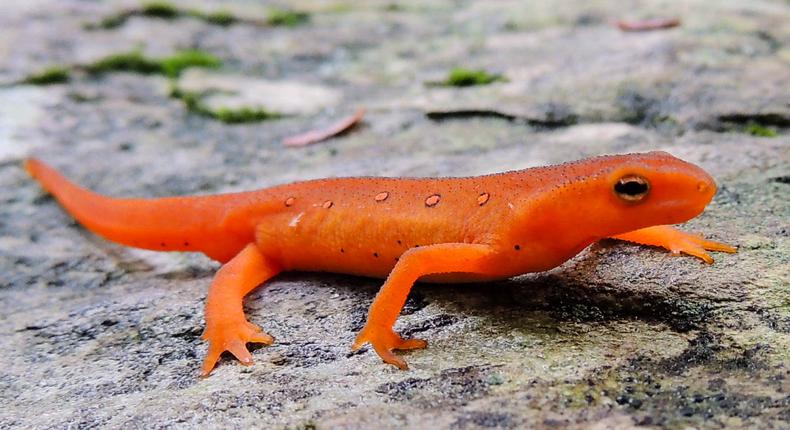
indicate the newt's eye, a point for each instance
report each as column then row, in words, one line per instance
column 631, row 188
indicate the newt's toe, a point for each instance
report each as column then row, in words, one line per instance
column 718, row 246
column 412, row 344
column 696, row 246
column 211, row 360
column 384, row 341
column 390, row 358
column 232, row 337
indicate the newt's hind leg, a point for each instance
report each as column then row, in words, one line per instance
column 414, row 264
column 227, row 329
column 676, row 241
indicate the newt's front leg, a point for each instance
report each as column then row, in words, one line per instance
column 227, row 329
column 414, row 264
column 675, row 241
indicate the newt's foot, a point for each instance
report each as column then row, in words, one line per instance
column 384, row 341
column 696, row 245
column 232, row 337
column 676, row 241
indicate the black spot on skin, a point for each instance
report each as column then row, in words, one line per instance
column 400, row 243
column 376, row 254
column 342, row 250
column 517, row 247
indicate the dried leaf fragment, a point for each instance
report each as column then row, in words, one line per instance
column 315, row 136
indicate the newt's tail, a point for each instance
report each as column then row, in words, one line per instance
column 164, row 224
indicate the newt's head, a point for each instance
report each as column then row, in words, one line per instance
column 605, row 196
column 640, row 190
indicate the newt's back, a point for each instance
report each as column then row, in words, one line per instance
column 362, row 225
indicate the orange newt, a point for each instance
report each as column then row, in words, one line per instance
column 402, row 229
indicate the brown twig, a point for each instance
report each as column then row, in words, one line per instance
column 648, row 24
column 314, row 136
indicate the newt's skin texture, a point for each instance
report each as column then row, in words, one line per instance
column 434, row 229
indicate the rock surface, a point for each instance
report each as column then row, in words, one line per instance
column 94, row 334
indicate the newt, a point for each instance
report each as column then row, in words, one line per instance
column 452, row 229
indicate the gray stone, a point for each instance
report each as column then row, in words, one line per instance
column 95, row 334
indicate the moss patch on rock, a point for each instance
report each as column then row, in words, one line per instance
column 247, row 114
column 461, row 77
column 286, row 17
column 49, row 76
column 242, row 115
column 153, row 9
column 760, row 130
column 221, row 17
column 160, row 9
column 133, row 61
column 169, row 11
column 171, row 66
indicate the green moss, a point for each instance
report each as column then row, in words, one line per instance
column 48, row 76
column 166, row 10
column 112, row 21
column 194, row 103
column 190, row 99
column 133, row 61
column 759, row 130
column 460, row 77
column 286, row 17
column 175, row 64
column 220, row 17
column 243, row 115
column 171, row 66
column 160, row 9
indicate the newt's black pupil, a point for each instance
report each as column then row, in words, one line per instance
column 630, row 188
